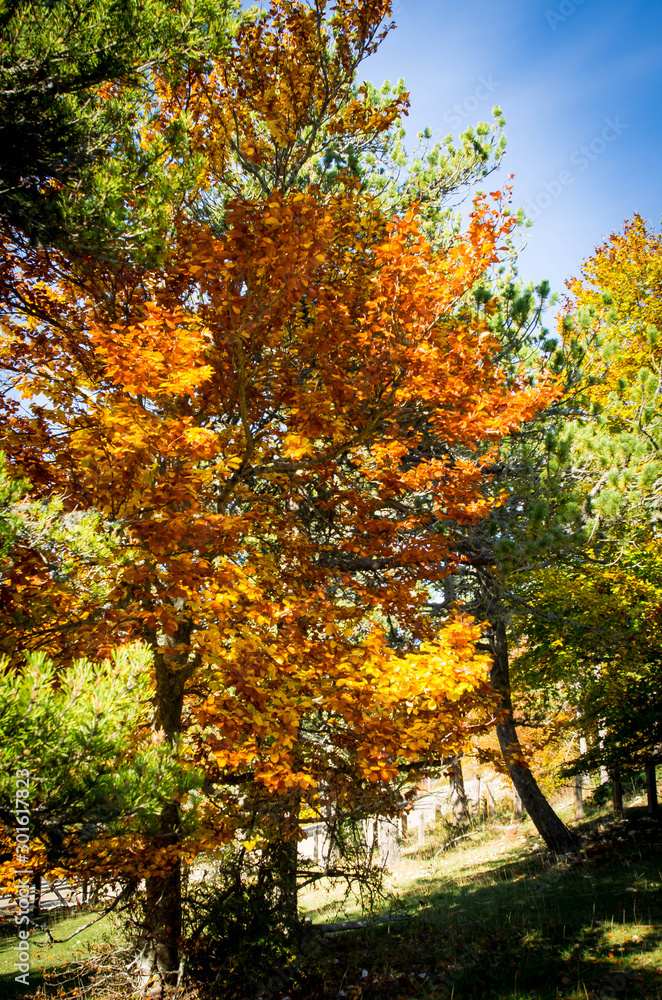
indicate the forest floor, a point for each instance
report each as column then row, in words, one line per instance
column 496, row 917
column 493, row 918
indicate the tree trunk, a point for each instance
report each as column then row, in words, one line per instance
column 578, row 795
column 491, row 804
column 371, row 830
column 330, row 809
column 389, row 852
column 604, row 773
column 158, row 944
column 552, row 830
column 617, row 793
column 651, row 788
column 36, row 909
column 579, row 783
column 159, row 938
column 517, row 805
column 283, row 860
column 458, row 794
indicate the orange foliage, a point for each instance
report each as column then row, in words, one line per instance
column 255, row 420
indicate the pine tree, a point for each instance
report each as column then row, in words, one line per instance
column 75, row 79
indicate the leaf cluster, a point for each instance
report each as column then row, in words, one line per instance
column 75, row 79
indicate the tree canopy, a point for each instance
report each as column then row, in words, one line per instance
column 246, row 419
column 267, row 399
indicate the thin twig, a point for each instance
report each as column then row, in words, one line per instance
column 85, row 926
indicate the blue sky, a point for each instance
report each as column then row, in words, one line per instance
column 580, row 85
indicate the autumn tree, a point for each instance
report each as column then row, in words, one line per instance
column 247, row 419
column 595, row 647
column 606, row 604
column 52, row 556
column 533, row 515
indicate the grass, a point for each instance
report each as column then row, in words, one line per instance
column 497, row 918
column 494, row 918
column 53, row 965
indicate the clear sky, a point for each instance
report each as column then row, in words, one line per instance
column 580, row 85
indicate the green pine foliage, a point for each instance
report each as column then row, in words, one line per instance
column 82, row 731
column 76, row 81
column 11, row 491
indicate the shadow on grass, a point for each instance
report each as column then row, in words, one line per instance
column 561, row 962
column 531, row 928
column 54, row 969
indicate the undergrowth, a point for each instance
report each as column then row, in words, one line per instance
column 495, row 916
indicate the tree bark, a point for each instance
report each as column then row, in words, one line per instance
column 552, row 829
column 158, row 944
column 371, row 830
column 578, row 795
column 617, row 793
column 604, row 773
column 458, row 794
column 36, row 881
column 491, row 804
column 283, row 859
column 651, row 789
column 517, row 805
column 159, row 938
column 331, row 819
column 578, row 784
column 389, row 851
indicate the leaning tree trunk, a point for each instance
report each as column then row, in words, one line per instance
column 552, row 830
column 159, row 937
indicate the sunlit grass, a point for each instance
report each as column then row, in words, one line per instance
column 496, row 917
column 49, row 962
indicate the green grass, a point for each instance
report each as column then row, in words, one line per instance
column 52, row 965
column 496, row 918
